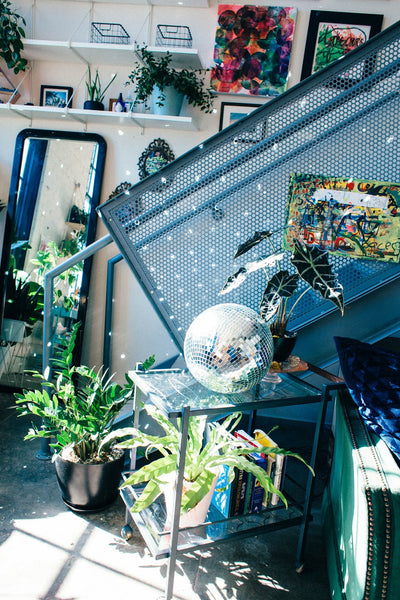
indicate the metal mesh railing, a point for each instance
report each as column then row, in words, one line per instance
column 179, row 229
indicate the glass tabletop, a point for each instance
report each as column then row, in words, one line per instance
column 172, row 389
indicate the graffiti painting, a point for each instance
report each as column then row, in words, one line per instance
column 252, row 49
column 351, row 217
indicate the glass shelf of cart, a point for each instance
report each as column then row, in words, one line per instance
column 151, row 523
column 172, row 389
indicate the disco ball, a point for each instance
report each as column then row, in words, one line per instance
column 228, row 348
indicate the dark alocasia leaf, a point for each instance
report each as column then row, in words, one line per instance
column 281, row 285
column 234, row 281
column 313, row 267
column 257, row 237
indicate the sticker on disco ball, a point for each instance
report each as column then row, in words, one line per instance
column 228, row 348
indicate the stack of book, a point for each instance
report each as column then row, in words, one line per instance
column 245, row 494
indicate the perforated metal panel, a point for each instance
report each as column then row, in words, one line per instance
column 179, row 229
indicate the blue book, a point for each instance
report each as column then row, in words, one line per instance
column 257, row 494
column 222, row 500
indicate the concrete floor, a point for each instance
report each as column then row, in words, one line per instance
column 48, row 552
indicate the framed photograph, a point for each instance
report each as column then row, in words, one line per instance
column 252, row 49
column 54, row 95
column 332, row 35
column 231, row 112
column 356, row 218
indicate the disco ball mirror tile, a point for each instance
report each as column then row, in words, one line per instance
column 228, row 348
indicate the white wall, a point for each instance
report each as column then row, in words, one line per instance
column 137, row 330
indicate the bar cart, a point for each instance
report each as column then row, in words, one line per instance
column 179, row 395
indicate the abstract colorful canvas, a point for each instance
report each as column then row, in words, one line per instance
column 352, row 217
column 252, row 49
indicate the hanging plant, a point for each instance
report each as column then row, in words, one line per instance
column 11, row 35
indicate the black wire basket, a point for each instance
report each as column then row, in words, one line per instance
column 109, row 33
column 178, row 36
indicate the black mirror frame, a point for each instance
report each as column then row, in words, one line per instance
column 91, row 229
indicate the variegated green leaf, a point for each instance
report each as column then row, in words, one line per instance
column 234, row 281
column 256, row 238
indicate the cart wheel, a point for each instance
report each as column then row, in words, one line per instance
column 299, row 568
column 126, row 532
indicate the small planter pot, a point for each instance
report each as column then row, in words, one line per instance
column 88, row 487
column 93, row 105
column 283, row 346
column 172, row 104
column 197, row 515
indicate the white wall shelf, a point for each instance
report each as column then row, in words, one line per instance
column 94, row 116
column 106, row 54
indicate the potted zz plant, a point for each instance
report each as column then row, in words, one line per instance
column 155, row 79
column 95, row 91
column 311, row 266
column 203, row 461
column 78, row 411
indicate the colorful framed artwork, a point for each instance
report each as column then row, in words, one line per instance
column 356, row 218
column 252, row 49
column 157, row 155
column 332, row 35
column 231, row 112
column 55, row 95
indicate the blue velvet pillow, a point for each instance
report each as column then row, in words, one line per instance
column 373, row 378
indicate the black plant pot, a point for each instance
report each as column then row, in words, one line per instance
column 283, row 346
column 93, row 105
column 88, row 487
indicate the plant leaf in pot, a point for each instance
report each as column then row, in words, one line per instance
column 11, row 36
column 312, row 267
column 155, row 72
column 205, row 456
column 95, row 91
column 78, row 411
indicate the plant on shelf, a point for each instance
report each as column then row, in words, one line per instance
column 78, row 410
column 95, row 91
column 203, row 460
column 11, row 35
column 311, row 266
column 156, row 73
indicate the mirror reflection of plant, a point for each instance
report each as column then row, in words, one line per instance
column 312, row 266
column 68, row 280
column 24, row 299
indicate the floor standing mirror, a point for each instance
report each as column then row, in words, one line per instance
column 54, row 190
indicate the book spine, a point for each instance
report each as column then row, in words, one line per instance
column 257, row 496
column 278, row 477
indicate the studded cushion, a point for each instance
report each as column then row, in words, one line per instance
column 373, row 378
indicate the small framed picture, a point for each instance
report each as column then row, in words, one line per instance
column 331, row 35
column 233, row 111
column 55, row 95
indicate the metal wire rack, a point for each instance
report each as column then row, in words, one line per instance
column 342, row 121
column 178, row 36
column 108, row 33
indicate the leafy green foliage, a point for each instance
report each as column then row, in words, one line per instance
column 11, row 35
column 78, row 409
column 156, row 71
column 202, row 461
column 24, row 299
column 94, row 87
column 312, row 266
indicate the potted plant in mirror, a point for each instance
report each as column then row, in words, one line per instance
column 203, row 461
column 11, row 36
column 78, row 411
column 24, row 300
column 95, row 91
column 155, row 79
column 311, row 266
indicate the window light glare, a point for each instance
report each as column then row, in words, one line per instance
column 120, row 132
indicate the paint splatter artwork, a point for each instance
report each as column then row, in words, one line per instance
column 336, row 40
column 351, row 217
column 252, row 49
